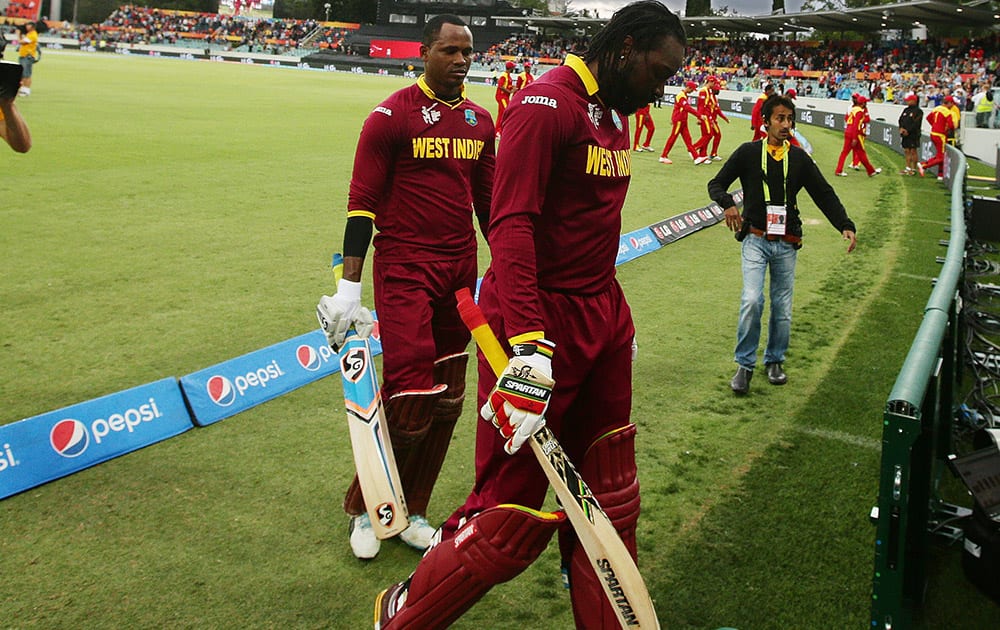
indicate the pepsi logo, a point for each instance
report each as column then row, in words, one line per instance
column 634, row 242
column 221, row 391
column 69, row 438
column 308, row 357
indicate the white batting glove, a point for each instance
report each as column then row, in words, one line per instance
column 517, row 404
column 343, row 311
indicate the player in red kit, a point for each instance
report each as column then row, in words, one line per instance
column 551, row 294
column 525, row 78
column 854, row 133
column 505, row 87
column 756, row 120
column 643, row 120
column 682, row 108
column 942, row 123
column 424, row 164
column 710, row 112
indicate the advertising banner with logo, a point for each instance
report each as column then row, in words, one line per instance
column 37, row 450
column 227, row 388
column 635, row 244
column 677, row 227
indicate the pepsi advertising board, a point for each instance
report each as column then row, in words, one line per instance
column 228, row 388
column 40, row 449
column 635, row 244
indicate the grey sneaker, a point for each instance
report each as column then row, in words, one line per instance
column 364, row 544
column 419, row 534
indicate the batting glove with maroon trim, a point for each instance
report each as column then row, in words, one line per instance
column 517, row 404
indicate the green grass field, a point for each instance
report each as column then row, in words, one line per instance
column 175, row 214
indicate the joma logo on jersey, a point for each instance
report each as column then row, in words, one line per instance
column 456, row 148
column 540, row 100
column 608, row 163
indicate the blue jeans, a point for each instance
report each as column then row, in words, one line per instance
column 758, row 254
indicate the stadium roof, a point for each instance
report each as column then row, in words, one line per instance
column 902, row 15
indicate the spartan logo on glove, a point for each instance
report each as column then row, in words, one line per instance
column 514, row 383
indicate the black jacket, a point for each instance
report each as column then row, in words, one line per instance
column 744, row 164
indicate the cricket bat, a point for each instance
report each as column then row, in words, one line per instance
column 623, row 584
column 373, row 456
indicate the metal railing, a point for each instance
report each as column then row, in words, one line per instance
column 916, row 436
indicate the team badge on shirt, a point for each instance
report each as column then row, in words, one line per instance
column 470, row 117
column 615, row 118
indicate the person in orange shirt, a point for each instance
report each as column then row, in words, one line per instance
column 942, row 122
column 505, row 87
column 525, row 78
column 643, row 120
column 857, row 119
column 682, row 107
column 756, row 120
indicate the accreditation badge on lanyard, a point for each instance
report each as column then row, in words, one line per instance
column 777, row 214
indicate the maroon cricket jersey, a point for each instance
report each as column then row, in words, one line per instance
column 562, row 172
column 421, row 168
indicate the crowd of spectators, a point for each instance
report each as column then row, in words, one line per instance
column 884, row 72
column 142, row 25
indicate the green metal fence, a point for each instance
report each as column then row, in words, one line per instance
column 916, row 436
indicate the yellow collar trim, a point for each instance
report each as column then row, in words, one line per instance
column 422, row 84
column 581, row 69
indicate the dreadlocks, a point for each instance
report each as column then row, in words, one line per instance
column 646, row 21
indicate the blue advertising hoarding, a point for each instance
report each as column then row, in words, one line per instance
column 39, row 449
column 227, row 388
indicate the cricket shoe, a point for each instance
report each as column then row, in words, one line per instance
column 364, row 544
column 637, row 150
column 649, row 148
column 419, row 534
column 841, row 174
column 875, row 172
column 940, row 178
column 717, row 158
column 920, row 168
column 702, row 160
column 666, row 160
column 856, row 167
column 389, row 602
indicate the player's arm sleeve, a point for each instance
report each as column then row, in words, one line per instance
column 825, row 196
column 531, row 143
column 482, row 185
column 373, row 160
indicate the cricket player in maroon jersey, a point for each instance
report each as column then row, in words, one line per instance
column 643, row 121
column 680, row 125
column 424, row 164
column 551, row 294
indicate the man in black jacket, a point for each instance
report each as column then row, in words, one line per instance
column 910, row 120
column 771, row 233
